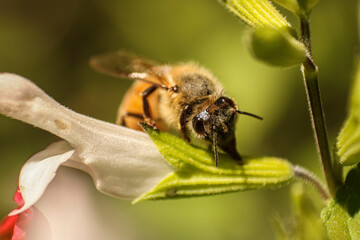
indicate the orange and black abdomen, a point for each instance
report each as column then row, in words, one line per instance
column 132, row 104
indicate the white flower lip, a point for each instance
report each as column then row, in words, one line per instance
column 42, row 168
column 122, row 162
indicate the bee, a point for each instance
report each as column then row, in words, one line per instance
column 182, row 97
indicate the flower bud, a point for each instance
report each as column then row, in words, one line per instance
column 275, row 47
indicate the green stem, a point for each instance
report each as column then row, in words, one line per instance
column 310, row 75
column 338, row 168
column 310, row 178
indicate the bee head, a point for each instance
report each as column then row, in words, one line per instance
column 217, row 124
column 219, row 116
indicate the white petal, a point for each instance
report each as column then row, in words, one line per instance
column 122, row 162
column 38, row 172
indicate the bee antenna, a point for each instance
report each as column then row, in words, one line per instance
column 249, row 114
column 215, row 146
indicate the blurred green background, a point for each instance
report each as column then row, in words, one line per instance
column 50, row 43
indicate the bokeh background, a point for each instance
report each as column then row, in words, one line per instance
column 50, row 43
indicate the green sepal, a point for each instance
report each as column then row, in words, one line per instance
column 276, row 47
column 257, row 13
column 342, row 214
column 348, row 141
column 195, row 172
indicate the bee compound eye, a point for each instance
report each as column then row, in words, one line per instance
column 220, row 101
column 227, row 101
column 198, row 126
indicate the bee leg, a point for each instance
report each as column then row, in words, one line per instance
column 129, row 114
column 184, row 118
column 146, row 107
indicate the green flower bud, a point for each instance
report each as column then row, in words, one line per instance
column 275, row 47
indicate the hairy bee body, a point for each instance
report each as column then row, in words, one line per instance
column 132, row 102
column 193, row 83
column 181, row 97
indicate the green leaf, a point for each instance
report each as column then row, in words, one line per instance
column 276, row 47
column 257, row 13
column 348, row 141
column 196, row 174
column 342, row 215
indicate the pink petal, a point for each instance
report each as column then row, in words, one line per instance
column 18, row 198
column 38, row 172
column 8, row 223
column 7, row 227
column 28, row 225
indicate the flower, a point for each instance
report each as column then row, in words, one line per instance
column 7, row 225
column 122, row 162
column 29, row 224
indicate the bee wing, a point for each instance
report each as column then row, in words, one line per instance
column 124, row 64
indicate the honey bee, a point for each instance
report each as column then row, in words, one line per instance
column 182, row 97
